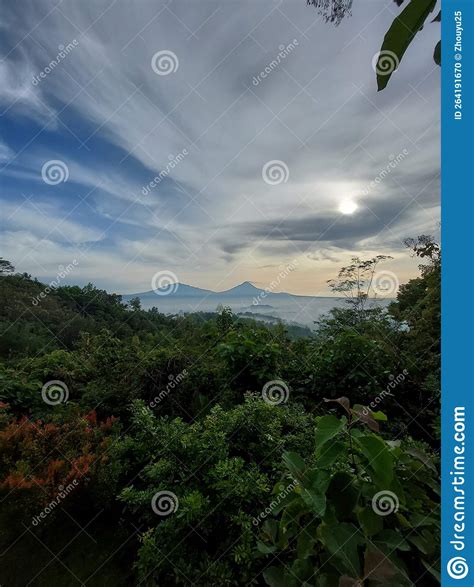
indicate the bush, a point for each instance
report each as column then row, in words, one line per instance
column 366, row 512
column 39, row 459
column 221, row 470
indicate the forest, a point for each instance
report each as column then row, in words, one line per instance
column 138, row 448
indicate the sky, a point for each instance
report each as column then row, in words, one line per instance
column 302, row 167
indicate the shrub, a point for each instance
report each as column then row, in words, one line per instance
column 366, row 512
column 39, row 459
column 221, row 470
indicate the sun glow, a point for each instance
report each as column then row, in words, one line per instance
column 348, row 207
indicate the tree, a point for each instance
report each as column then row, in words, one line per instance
column 356, row 281
column 6, row 267
column 419, row 301
column 418, row 305
column 332, row 10
column 225, row 319
column 135, row 303
column 425, row 247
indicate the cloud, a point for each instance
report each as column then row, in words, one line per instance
column 5, row 152
column 18, row 94
column 41, row 220
column 117, row 124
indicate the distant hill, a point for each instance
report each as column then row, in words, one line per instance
column 243, row 290
column 182, row 290
column 181, row 298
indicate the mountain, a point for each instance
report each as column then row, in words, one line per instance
column 182, row 290
column 246, row 298
column 243, row 299
column 245, row 289
column 177, row 290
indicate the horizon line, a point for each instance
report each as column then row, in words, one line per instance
column 178, row 283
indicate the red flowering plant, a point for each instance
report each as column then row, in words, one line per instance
column 42, row 462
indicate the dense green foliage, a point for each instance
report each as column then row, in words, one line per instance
column 365, row 512
column 104, row 407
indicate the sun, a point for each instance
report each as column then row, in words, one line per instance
column 348, row 207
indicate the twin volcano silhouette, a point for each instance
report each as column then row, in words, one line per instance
column 182, row 290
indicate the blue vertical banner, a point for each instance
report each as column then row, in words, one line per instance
column 457, row 65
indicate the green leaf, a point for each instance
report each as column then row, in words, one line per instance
column 275, row 577
column 422, row 457
column 291, row 515
column 402, row 520
column 328, row 427
column 391, row 539
column 342, row 543
column 303, row 570
column 437, row 53
column 399, row 36
column 425, row 542
column 270, row 529
column 346, row 581
column 294, row 463
column 316, row 501
column 379, row 457
column 343, row 494
column 329, row 453
column 282, row 502
column 397, row 488
column 420, row 520
column 369, row 521
column 264, row 548
column 436, row 574
column 305, row 544
column 317, row 480
column 330, row 515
